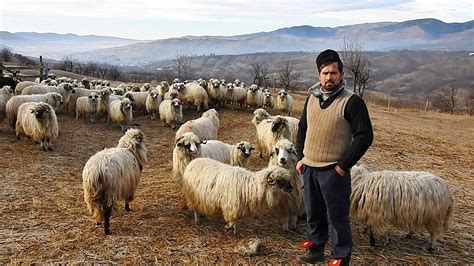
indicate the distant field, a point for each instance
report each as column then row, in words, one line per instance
column 44, row 218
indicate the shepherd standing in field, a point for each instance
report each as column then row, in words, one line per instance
column 334, row 133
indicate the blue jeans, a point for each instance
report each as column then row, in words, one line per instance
column 327, row 195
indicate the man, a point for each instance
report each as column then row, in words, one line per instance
column 334, row 132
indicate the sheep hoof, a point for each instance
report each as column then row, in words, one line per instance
column 127, row 208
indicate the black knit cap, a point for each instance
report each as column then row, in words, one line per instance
column 327, row 56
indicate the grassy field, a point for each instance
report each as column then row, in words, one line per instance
column 44, row 218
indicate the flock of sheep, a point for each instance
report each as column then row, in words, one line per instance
column 212, row 174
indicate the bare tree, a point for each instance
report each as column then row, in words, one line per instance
column 183, row 66
column 259, row 72
column 286, row 73
column 103, row 69
column 67, row 64
column 447, row 97
column 165, row 74
column 469, row 102
column 357, row 63
column 114, row 73
column 6, row 55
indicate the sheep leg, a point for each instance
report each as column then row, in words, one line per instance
column 371, row 236
column 43, row 145
column 431, row 243
column 49, row 145
column 196, row 218
column 127, row 207
column 231, row 225
column 107, row 211
column 293, row 220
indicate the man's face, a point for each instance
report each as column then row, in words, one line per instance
column 330, row 77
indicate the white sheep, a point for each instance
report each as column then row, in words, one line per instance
column 6, row 92
column 52, row 98
column 146, row 87
column 153, row 101
column 139, row 100
column 212, row 188
column 284, row 154
column 38, row 121
column 171, row 112
column 65, row 89
column 260, row 114
column 112, row 175
column 76, row 93
column 269, row 132
column 187, row 148
column 162, row 88
column 284, row 102
column 235, row 95
column 194, row 94
column 205, row 127
column 407, row 200
column 240, row 153
column 87, row 106
column 23, row 84
column 268, row 101
column 120, row 112
column 254, row 97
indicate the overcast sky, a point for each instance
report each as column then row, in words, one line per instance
column 156, row 19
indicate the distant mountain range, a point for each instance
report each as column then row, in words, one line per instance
column 422, row 34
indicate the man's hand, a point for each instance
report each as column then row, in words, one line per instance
column 299, row 166
column 339, row 170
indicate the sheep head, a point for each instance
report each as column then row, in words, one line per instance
column 284, row 154
column 245, row 148
column 279, row 124
column 125, row 104
column 190, row 144
column 134, row 140
column 40, row 110
column 93, row 97
column 278, row 180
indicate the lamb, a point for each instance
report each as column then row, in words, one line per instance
column 87, row 106
column 205, row 127
column 153, row 101
column 120, row 112
column 284, row 154
column 269, row 132
column 38, row 121
column 406, row 200
column 284, row 102
column 260, row 115
column 112, row 175
column 254, row 97
column 171, row 112
column 6, row 92
column 52, row 98
column 212, row 188
column 22, row 85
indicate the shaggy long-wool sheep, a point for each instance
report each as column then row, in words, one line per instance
column 284, row 102
column 205, row 127
column 260, row 114
column 193, row 94
column 269, row 132
column 112, row 175
column 145, row 88
column 120, row 112
column 212, row 188
column 268, row 101
column 87, row 106
column 76, row 93
column 240, row 153
column 38, row 121
column 153, row 101
column 187, row 148
column 139, row 103
column 284, row 154
column 406, row 200
column 171, row 112
column 235, row 95
column 65, row 89
column 254, row 97
column 52, row 98
column 6, row 92
column 162, row 88
column 216, row 92
column 22, row 85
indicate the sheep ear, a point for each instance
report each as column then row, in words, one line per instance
column 252, row 147
column 270, row 179
column 271, row 154
column 178, row 142
column 32, row 110
column 203, row 141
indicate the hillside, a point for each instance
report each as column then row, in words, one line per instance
column 44, row 218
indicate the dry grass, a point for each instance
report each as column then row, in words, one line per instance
column 44, row 218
